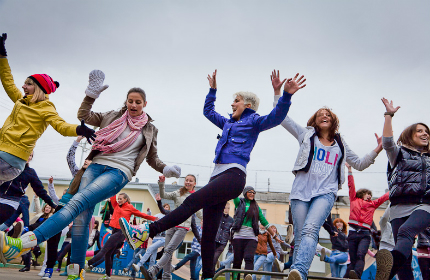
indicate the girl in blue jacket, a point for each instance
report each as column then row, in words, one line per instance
column 232, row 154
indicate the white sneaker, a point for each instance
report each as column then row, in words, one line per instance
column 104, row 277
column 279, row 265
column 42, row 271
column 294, row 275
column 136, row 267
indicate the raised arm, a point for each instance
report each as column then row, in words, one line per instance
column 6, row 74
column 137, row 213
column 71, row 156
column 209, row 107
column 160, row 206
column 328, row 225
column 36, row 202
column 278, row 114
column 388, row 142
column 51, row 190
column 95, row 87
column 163, row 194
column 351, row 183
column 362, row 163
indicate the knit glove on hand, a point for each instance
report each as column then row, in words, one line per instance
column 172, row 171
column 95, row 84
column 86, row 131
column 3, row 38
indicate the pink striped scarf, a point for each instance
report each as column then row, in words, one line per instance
column 111, row 132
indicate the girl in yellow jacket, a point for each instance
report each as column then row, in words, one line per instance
column 31, row 115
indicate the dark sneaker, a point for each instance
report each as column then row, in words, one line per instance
column 384, row 263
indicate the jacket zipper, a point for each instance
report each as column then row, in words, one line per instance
column 8, row 187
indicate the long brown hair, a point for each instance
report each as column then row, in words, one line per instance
column 334, row 123
column 183, row 190
column 47, row 215
column 406, row 138
column 345, row 226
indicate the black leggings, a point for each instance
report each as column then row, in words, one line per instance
column 5, row 212
column 244, row 249
column 52, row 249
column 212, row 199
column 404, row 230
column 115, row 240
column 65, row 251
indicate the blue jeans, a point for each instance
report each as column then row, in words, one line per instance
column 98, row 183
column 197, row 268
column 308, row 218
column 268, row 263
column 336, row 258
column 151, row 251
column 136, row 253
column 195, row 263
column 227, row 263
column 258, row 262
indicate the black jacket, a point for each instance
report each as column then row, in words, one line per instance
column 239, row 217
column 223, row 233
column 409, row 180
column 339, row 242
column 15, row 189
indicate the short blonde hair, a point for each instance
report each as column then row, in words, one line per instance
column 249, row 98
column 38, row 94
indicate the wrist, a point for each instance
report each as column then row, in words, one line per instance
column 391, row 114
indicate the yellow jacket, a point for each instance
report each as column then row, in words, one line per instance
column 28, row 120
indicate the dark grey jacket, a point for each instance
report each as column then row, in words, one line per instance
column 223, row 234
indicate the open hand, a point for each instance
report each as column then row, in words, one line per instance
column 389, row 105
column 293, row 84
column 157, row 197
column 348, row 166
column 161, row 178
column 212, row 80
column 276, row 82
column 379, row 141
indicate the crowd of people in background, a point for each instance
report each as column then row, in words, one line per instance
column 127, row 137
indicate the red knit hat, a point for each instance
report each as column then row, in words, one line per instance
column 45, row 82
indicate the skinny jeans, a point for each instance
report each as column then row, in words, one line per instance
column 99, row 182
column 358, row 244
column 243, row 249
column 212, row 199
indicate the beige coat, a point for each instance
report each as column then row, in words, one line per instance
column 178, row 200
column 149, row 132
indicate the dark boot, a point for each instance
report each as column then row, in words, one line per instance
column 398, row 261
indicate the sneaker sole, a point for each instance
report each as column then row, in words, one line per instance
column 294, row 275
column 145, row 273
column 322, row 256
column 248, row 277
column 17, row 230
column 384, row 263
column 127, row 235
column 2, row 258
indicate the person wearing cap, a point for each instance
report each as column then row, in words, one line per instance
column 232, row 154
column 246, row 230
column 30, row 117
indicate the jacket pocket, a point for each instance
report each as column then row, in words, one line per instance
column 238, row 145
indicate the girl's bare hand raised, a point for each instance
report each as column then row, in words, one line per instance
column 212, row 80
column 389, row 106
column 293, row 84
column 276, row 82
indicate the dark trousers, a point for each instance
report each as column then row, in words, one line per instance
column 5, row 212
column 424, row 267
column 219, row 248
column 23, row 207
column 358, row 243
column 64, row 251
column 52, row 250
column 244, row 249
column 212, row 199
column 115, row 240
column 404, row 230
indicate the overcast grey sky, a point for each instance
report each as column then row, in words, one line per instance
column 351, row 52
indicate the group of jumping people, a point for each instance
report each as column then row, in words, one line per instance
column 127, row 137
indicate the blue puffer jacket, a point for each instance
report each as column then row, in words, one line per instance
column 15, row 189
column 239, row 137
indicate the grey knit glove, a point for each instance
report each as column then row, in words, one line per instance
column 172, row 171
column 95, row 84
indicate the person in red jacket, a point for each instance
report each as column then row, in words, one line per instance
column 122, row 209
column 361, row 213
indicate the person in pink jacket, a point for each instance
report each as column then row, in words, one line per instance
column 361, row 213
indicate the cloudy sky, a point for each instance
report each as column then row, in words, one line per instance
column 351, row 52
